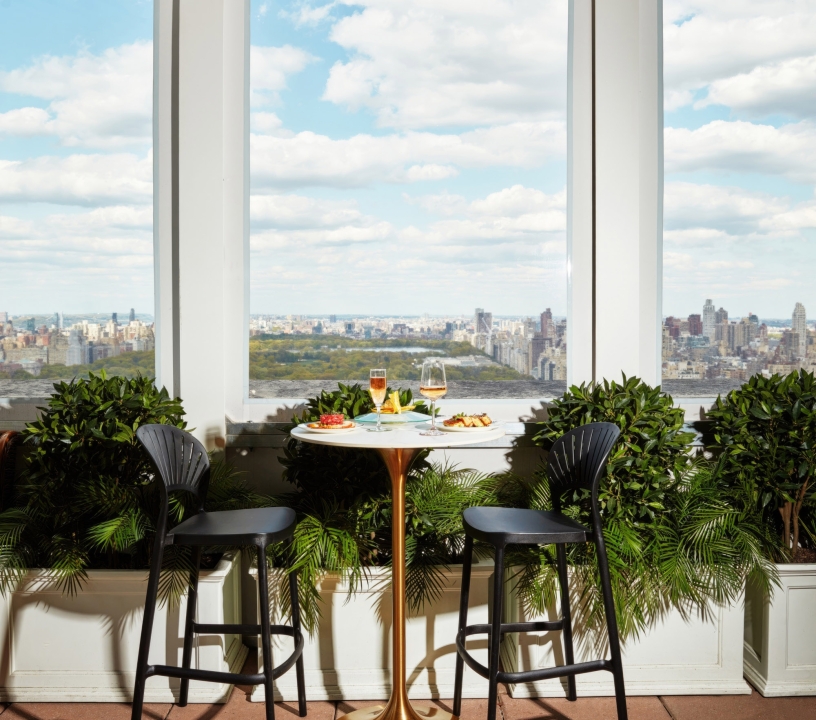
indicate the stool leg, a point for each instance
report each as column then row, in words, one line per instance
column 299, row 669
column 563, row 581
column 612, row 628
column 495, row 634
column 464, row 596
column 266, row 632
column 147, row 628
column 192, row 600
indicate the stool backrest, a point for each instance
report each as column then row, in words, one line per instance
column 181, row 460
column 578, row 458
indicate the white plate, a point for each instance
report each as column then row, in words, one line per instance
column 494, row 426
column 328, row 431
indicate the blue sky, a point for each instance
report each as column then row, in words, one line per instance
column 408, row 157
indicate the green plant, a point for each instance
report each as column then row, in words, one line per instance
column 343, row 501
column 677, row 534
column 765, row 437
column 87, row 497
column 651, row 454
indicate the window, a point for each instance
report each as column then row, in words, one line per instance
column 740, row 209
column 408, row 194
column 76, row 247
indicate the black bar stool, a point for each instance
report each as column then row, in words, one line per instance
column 183, row 464
column 577, row 460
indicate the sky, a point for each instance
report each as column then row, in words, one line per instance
column 407, row 157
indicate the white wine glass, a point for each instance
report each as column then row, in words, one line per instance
column 377, row 385
column 433, row 385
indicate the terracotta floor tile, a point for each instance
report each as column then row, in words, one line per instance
column 347, row 706
column 589, row 708
column 81, row 711
column 740, row 707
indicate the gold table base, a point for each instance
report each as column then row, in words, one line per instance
column 398, row 461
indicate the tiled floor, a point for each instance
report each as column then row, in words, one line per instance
column 723, row 707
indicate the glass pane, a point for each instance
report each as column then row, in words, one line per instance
column 408, row 194
column 76, row 190
column 740, row 208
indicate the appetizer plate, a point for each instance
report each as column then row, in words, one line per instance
column 484, row 428
column 394, row 418
column 344, row 428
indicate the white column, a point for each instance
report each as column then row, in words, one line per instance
column 628, row 188
column 580, row 309
column 628, row 193
column 208, row 326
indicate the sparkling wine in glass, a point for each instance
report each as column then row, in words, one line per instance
column 433, row 386
column 377, row 385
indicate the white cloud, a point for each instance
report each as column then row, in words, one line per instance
column 705, row 42
column 98, row 179
column 744, row 147
column 101, row 100
column 270, row 68
column 785, row 87
column 311, row 159
column 307, row 14
column 432, row 63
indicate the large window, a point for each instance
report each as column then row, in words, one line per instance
column 740, row 210
column 76, row 249
column 408, row 193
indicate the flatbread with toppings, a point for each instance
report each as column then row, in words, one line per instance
column 468, row 421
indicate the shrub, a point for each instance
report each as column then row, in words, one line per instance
column 677, row 535
column 343, row 501
column 87, row 497
column 765, row 436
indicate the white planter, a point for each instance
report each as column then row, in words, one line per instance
column 83, row 648
column 678, row 656
column 780, row 634
column 349, row 657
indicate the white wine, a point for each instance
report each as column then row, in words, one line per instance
column 433, row 392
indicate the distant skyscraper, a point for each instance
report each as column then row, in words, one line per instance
column 115, row 318
column 483, row 321
column 77, row 349
column 547, row 327
column 709, row 320
column 799, row 327
column 695, row 325
column 3, row 317
column 132, row 314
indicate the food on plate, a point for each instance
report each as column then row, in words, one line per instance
column 331, row 420
column 468, row 421
column 392, row 405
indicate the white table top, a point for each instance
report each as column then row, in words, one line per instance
column 403, row 436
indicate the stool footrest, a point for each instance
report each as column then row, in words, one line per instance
column 210, row 629
column 525, row 675
column 205, row 675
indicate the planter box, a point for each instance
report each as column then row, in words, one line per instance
column 58, row 648
column 780, row 634
column 678, row 656
column 349, row 657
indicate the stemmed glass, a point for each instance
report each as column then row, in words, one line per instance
column 433, row 386
column 377, row 386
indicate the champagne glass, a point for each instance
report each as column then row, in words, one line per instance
column 433, row 386
column 377, row 386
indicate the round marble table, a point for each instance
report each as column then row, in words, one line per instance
column 398, row 448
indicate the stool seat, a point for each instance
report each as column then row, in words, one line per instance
column 253, row 526
column 518, row 526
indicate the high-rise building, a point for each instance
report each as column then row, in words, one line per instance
column 483, row 321
column 115, row 318
column 721, row 316
column 695, row 325
column 3, row 317
column 132, row 314
column 709, row 320
column 547, row 327
column 799, row 327
column 77, row 349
